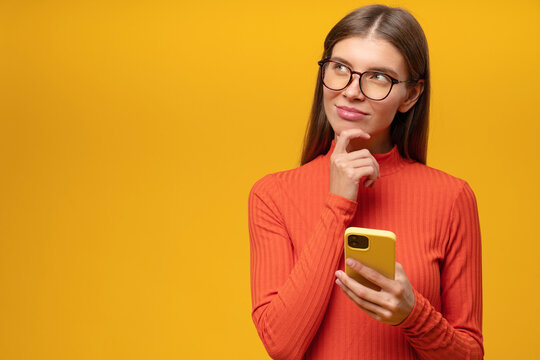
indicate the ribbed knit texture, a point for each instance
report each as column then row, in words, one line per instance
column 296, row 230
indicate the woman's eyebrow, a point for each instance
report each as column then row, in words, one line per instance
column 340, row 59
column 383, row 69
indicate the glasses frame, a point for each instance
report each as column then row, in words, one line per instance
column 394, row 81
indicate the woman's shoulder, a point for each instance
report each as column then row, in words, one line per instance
column 436, row 179
column 293, row 179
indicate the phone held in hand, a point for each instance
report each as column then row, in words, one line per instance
column 373, row 248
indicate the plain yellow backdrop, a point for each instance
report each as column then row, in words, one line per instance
column 132, row 131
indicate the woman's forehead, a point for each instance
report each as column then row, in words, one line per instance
column 369, row 53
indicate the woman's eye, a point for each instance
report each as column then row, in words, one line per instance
column 340, row 68
column 378, row 77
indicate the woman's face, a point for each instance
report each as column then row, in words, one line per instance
column 350, row 109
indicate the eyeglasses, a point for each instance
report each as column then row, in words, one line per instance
column 375, row 85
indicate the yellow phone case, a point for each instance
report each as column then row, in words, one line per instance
column 380, row 253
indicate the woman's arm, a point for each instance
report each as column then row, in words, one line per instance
column 454, row 334
column 290, row 298
column 457, row 332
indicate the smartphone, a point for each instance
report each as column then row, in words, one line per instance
column 373, row 248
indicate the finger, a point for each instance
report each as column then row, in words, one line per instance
column 368, row 173
column 374, row 276
column 345, row 137
column 363, row 292
column 400, row 275
column 355, row 157
column 400, row 272
column 359, row 154
column 365, row 168
column 370, row 180
column 372, row 309
column 401, row 279
column 362, row 162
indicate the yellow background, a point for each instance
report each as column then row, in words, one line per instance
column 132, row 131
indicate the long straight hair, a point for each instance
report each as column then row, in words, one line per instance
column 409, row 131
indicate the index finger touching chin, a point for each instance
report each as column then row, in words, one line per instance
column 343, row 139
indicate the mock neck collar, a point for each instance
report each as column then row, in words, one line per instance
column 389, row 162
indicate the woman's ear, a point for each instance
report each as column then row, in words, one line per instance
column 413, row 93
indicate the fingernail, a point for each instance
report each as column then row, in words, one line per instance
column 349, row 262
column 338, row 273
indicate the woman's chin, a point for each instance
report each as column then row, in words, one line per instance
column 350, row 127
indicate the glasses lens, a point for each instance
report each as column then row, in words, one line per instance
column 336, row 76
column 375, row 85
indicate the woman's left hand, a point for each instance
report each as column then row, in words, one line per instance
column 392, row 304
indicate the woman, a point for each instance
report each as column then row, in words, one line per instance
column 364, row 165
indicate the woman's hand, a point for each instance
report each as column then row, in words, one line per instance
column 348, row 168
column 391, row 305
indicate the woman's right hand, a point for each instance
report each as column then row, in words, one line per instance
column 348, row 168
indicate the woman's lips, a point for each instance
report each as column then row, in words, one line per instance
column 348, row 113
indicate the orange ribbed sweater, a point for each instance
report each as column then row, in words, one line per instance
column 296, row 235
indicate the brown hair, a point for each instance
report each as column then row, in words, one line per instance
column 409, row 131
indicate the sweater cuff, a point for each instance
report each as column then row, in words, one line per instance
column 416, row 311
column 342, row 206
column 421, row 318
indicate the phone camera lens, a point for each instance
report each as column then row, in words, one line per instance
column 358, row 241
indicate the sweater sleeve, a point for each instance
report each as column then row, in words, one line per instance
column 290, row 297
column 457, row 332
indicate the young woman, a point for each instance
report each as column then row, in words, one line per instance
column 364, row 165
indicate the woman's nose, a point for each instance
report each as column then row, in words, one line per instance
column 353, row 90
